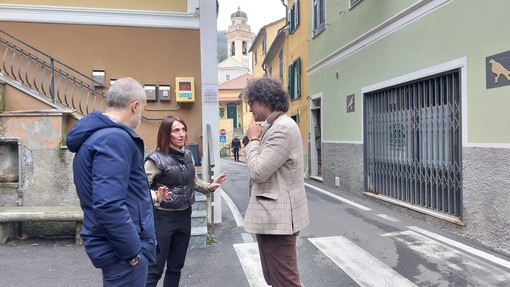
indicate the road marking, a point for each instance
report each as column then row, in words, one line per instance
column 361, row 266
column 475, row 271
column 338, row 197
column 233, row 208
column 248, row 254
column 247, row 238
column 387, row 217
column 464, row 247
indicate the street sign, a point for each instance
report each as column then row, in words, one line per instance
column 223, row 139
column 223, row 132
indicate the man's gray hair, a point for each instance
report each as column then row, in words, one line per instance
column 123, row 92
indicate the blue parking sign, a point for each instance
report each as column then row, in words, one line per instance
column 223, row 139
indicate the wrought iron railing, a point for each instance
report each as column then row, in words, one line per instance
column 48, row 76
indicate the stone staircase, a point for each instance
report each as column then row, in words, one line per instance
column 199, row 220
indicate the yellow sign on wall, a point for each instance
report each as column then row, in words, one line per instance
column 185, row 89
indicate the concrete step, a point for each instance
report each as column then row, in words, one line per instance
column 199, row 218
column 198, row 236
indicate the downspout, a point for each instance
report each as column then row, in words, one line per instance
column 281, row 29
column 20, row 173
column 286, row 16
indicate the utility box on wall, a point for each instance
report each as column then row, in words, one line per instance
column 150, row 91
column 164, row 92
column 99, row 78
column 185, row 89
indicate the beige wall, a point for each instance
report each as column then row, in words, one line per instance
column 152, row 5
column 150, row 55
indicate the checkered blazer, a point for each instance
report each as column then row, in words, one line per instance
column 278, row 202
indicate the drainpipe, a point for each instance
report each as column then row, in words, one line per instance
column 286, row 16
column 20, row 173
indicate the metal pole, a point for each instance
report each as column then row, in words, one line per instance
column 210, row 102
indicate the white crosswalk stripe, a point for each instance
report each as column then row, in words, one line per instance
column 366, row 270
column 249, row 257
column 475, row 271
column 361, row 266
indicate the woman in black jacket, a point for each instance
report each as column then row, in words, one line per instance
column 171, row 167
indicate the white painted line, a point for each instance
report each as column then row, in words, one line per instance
column 247, row 238
column 464, row 247
column 233, row 208
column 389, row 218
column 360, row 265
column 449, row 260
column 249, row 257
column 23, row 212
column 338, row 197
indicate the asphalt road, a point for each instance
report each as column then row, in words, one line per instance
column 351, row 241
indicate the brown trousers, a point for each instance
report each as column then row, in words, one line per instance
column 279, row 259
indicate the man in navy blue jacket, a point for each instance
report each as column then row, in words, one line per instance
column 118, row 225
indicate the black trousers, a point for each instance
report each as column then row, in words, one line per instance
column 236, row 154
column 279, row 259
column 173, row 232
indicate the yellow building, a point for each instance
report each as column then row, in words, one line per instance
column 233, row 110
column 286, row 59
column 261, row 44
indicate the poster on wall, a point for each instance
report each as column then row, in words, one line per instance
column 497, row 71
column 210, row 94
column 350, row 107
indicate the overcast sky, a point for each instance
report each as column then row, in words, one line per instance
column 260, row 12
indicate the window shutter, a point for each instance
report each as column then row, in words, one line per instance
column 296, row 14
column 291, row 82
column 298, row 77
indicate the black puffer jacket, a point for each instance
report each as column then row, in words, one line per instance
column 178, row 174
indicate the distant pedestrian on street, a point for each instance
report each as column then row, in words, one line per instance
column 118, row 226
column 236, row 145
column 171, row 167
column 278, row 208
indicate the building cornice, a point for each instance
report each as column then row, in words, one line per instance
column 95, row 16
column 414, row 12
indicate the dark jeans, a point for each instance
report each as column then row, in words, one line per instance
column 124, row 274
column 173, row 231
column 236, row 154
column 279, row 259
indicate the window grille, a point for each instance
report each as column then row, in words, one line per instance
column 413, row 143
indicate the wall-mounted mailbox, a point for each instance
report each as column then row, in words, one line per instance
column 99, row 78
column 150, row 91
column 185, row 89
column 164, row 92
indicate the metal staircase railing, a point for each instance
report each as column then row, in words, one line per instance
column 48, row 76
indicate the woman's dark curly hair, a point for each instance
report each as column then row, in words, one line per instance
column 267, row 91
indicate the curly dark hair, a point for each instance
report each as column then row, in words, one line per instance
column 267, row 91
